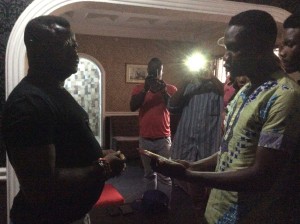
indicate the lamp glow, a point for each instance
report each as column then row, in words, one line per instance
column 196, row 62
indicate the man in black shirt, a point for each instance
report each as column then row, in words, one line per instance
column 58, row 162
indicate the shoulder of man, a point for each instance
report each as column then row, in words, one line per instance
column 171, row 88
column 137, row 89
column 27, row 93
column 287, row 82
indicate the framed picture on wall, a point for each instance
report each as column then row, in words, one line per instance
column 136, row 73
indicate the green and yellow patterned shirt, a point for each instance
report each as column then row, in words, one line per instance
column 268, row 117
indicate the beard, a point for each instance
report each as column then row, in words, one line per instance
column 292, row 67
column 64, row 69
column 243, row 68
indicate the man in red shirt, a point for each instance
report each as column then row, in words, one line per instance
column 151, row 98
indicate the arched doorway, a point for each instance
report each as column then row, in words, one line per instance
column 87, row 88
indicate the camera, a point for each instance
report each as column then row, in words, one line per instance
column 152, row 76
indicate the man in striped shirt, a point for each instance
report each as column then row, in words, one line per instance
column 198, row 135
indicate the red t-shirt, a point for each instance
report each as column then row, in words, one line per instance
column 229, row 91
column 154, row 117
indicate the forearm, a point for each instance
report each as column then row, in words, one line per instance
column 258, row 177
column 218, row 85
column 240, row 180
column 62, row 184
column 68, row 182
column 137, row 100
column 206, row 164
column 166, row 96
column 177, row 100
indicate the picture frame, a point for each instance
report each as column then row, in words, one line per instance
column 136, row 73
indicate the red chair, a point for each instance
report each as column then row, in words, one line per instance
column 109, row 196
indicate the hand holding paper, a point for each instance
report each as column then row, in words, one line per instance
column 163, row 165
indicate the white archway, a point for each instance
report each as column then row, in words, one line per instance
column 15, row 52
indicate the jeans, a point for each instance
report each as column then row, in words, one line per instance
column 153, row 180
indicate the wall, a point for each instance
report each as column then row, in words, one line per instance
column 10, row 10
column 113, row 54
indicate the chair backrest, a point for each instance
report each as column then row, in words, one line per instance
column 124, row 125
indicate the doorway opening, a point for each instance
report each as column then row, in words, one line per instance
column 86, row 87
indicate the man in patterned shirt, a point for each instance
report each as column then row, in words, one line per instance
column 254, row 175
column 290, row 50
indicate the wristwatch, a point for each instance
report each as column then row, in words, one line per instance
column 104, row 166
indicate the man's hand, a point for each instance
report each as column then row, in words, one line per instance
column 107, row 151
column 168, row 168
column 157, row 85
column 116, row 161
column 148, row 81
column 185, row 163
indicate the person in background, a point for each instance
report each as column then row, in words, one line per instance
column 239, row 82
column 231, row 88
column 151, row 98
column 58, row 161
column 289, row 51
column 255, row 174
column 200, row 102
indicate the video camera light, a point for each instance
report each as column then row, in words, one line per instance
column 196, row 62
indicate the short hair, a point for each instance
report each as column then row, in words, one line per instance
column 293, row 21
column 154, row 66
column 44, row 29
column 258, row 24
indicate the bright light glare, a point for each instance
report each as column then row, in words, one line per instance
column 196, row 62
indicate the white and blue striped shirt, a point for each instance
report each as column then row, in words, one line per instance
column 198, row 133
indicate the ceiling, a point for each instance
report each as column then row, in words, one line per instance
column 143, row 22
column 116, row 20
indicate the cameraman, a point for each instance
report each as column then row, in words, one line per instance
column 151, row 98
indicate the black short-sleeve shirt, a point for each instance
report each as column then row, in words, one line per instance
column 36, row 114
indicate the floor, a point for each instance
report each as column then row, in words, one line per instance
column 130, row 186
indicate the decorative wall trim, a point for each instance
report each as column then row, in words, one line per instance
column 15, row 52
column 119, row 113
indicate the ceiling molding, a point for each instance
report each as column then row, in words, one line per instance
column 187, row 20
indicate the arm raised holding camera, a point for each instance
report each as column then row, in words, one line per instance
column 158, row 85
column 137, row 100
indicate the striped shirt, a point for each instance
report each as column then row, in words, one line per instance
column 199, row 130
